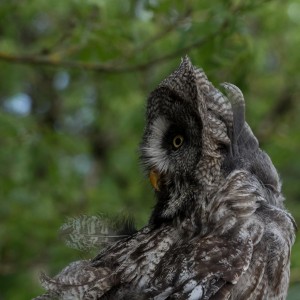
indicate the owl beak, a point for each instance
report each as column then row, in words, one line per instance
column 154, row 177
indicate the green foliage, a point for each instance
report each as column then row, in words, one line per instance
column 73, row 82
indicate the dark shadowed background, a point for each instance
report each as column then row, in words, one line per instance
column 74, row 77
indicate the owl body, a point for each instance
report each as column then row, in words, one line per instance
column 219, row 229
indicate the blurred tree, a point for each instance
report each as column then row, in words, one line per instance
column 73, row 82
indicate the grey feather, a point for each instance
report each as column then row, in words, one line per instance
column 88, row 232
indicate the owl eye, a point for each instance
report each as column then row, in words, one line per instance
column 177, row 141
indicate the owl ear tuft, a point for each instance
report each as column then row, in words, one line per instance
column 243, row 137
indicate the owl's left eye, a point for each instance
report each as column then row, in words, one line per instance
column 178, row 141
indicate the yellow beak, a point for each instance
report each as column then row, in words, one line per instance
column 154, row 179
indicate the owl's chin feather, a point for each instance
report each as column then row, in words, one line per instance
column 176, row 197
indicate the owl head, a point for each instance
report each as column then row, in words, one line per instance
column 194, row 136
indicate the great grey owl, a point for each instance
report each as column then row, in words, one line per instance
column 219, row 229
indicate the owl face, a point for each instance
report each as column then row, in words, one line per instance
column 172, row 138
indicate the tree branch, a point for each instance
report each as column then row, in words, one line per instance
column 56, row 61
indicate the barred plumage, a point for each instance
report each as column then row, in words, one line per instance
column 219, row 229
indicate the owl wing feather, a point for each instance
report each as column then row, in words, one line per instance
column 205, row 267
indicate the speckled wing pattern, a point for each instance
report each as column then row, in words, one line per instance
column 219, row 229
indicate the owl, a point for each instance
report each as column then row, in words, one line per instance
column 219, row 229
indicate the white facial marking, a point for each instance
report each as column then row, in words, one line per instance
column 157, row 156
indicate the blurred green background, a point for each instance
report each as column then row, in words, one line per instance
column 74, row 77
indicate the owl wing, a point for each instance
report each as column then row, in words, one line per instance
column 204, row 268
column 251, row 261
